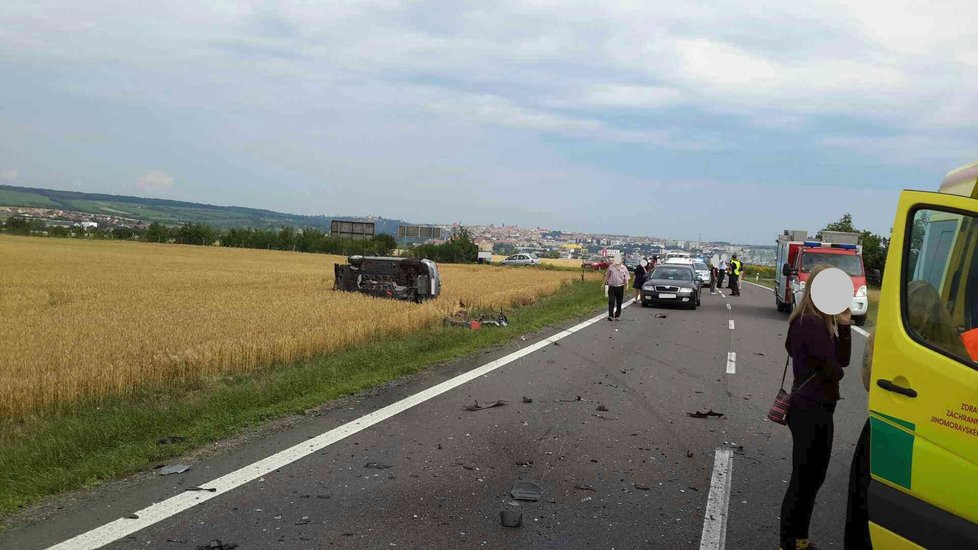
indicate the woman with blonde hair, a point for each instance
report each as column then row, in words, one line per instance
column 819, row 345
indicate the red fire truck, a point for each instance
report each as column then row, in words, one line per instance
column 797, row 255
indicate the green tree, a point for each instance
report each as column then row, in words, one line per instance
column 157, row 233
column 199, row 234
column 844, row 224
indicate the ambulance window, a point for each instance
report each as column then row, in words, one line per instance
column 941, row 283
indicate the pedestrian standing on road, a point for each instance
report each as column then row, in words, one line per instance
column 819, row 345
column 714, row 274
column 616, row 278
column 722, row 270
column 640, row 275
column 736, row 270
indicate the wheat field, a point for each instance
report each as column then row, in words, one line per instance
column 89, row 319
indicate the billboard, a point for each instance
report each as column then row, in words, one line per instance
column 418, row 232
column 358, row 231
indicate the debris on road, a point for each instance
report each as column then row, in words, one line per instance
column 208, row 489
column 174, row 469
column 377, row 465
column 689, row 454
column 171, row 440
column 523, row 462
column 303, row 521
column 217, row 545
column 511, row 518
column 758, row 353
column 527, row 399
column 585, row 487
column 602, row 408
column 132, row 516
column 706, row 414
column 641, row 487
column 661, row 316
column 478, row 407
column 526, row 490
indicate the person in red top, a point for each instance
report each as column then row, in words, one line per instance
column 820, row 346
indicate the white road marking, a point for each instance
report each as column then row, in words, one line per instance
column 155, row 513
column 714, row 535
column 759, row 286
column 722, row 294
column 732, row 362
column 731, row 324
column 728, row 306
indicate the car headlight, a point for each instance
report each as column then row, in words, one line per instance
column 861, row 293
column 685, row 291
column 801, row 285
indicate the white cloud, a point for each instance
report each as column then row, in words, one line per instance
column 9, row 174
column 624, row 96
column 155, row 181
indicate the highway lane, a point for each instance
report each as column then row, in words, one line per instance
column 636, row 475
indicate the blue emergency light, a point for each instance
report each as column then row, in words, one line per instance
column 812, row 244
column 845, row 246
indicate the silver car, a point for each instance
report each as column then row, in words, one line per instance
column 523, row 258
column 702, row 272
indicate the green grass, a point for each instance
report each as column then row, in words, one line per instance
column 49, row 455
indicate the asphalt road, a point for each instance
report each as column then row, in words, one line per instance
column 637, row 475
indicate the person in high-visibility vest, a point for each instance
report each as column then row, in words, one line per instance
column 736, row 269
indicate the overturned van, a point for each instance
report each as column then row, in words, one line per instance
column 408, row 279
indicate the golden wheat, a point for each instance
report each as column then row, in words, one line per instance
column 88, row 319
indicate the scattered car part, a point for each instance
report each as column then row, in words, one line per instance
column 174, row 469
column 526, row 490
column 478, row 407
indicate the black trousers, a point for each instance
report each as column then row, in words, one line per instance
column 616, row 294
column 811, row 436
column 735, row 284
column 720, row 279
column 857, row 509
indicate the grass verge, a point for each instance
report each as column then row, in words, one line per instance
column 46, row 456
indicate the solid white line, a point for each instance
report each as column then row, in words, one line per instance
column 160, row 511
column 731, row 324
column 732, row 362
column 714, row 535
column 759, row 286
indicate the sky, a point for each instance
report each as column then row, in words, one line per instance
column 718, row 120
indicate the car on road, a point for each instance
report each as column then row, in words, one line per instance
column 672, row 284
column 632, row 263
column 523, row 258
column 702, row 272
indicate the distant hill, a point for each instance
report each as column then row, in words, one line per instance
column 171, row 212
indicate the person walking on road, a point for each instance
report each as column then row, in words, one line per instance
column 640, row 275
column 616, row 278
column 736, row 270
column 820, row 346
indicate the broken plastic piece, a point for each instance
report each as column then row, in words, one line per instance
column 602, row 408
column 478, row 407
column 706, row 414
column 641, row 487
column 661, row 316
column 217, row 545
column 174, row 469
column 526, row 490
column 377, row 465
column 511, row 518
column 585, row 487
column 208, row 489
column 527, row 399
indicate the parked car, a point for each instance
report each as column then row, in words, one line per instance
column 597, row 263
column 523, row 258
column 672, row 284
column 702, row 272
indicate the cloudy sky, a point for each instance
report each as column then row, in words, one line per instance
column 728, row 119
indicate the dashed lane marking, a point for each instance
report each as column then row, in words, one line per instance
column 714, row 536
column 155, row 513
column 731, row 324
column 732, row 362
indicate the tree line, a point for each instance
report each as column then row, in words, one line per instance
column 459, row 248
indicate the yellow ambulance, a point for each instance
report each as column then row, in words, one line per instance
column 923, row 400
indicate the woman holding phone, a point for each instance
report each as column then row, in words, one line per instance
column 819, row 345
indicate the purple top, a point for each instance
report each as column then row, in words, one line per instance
column 814, row 352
